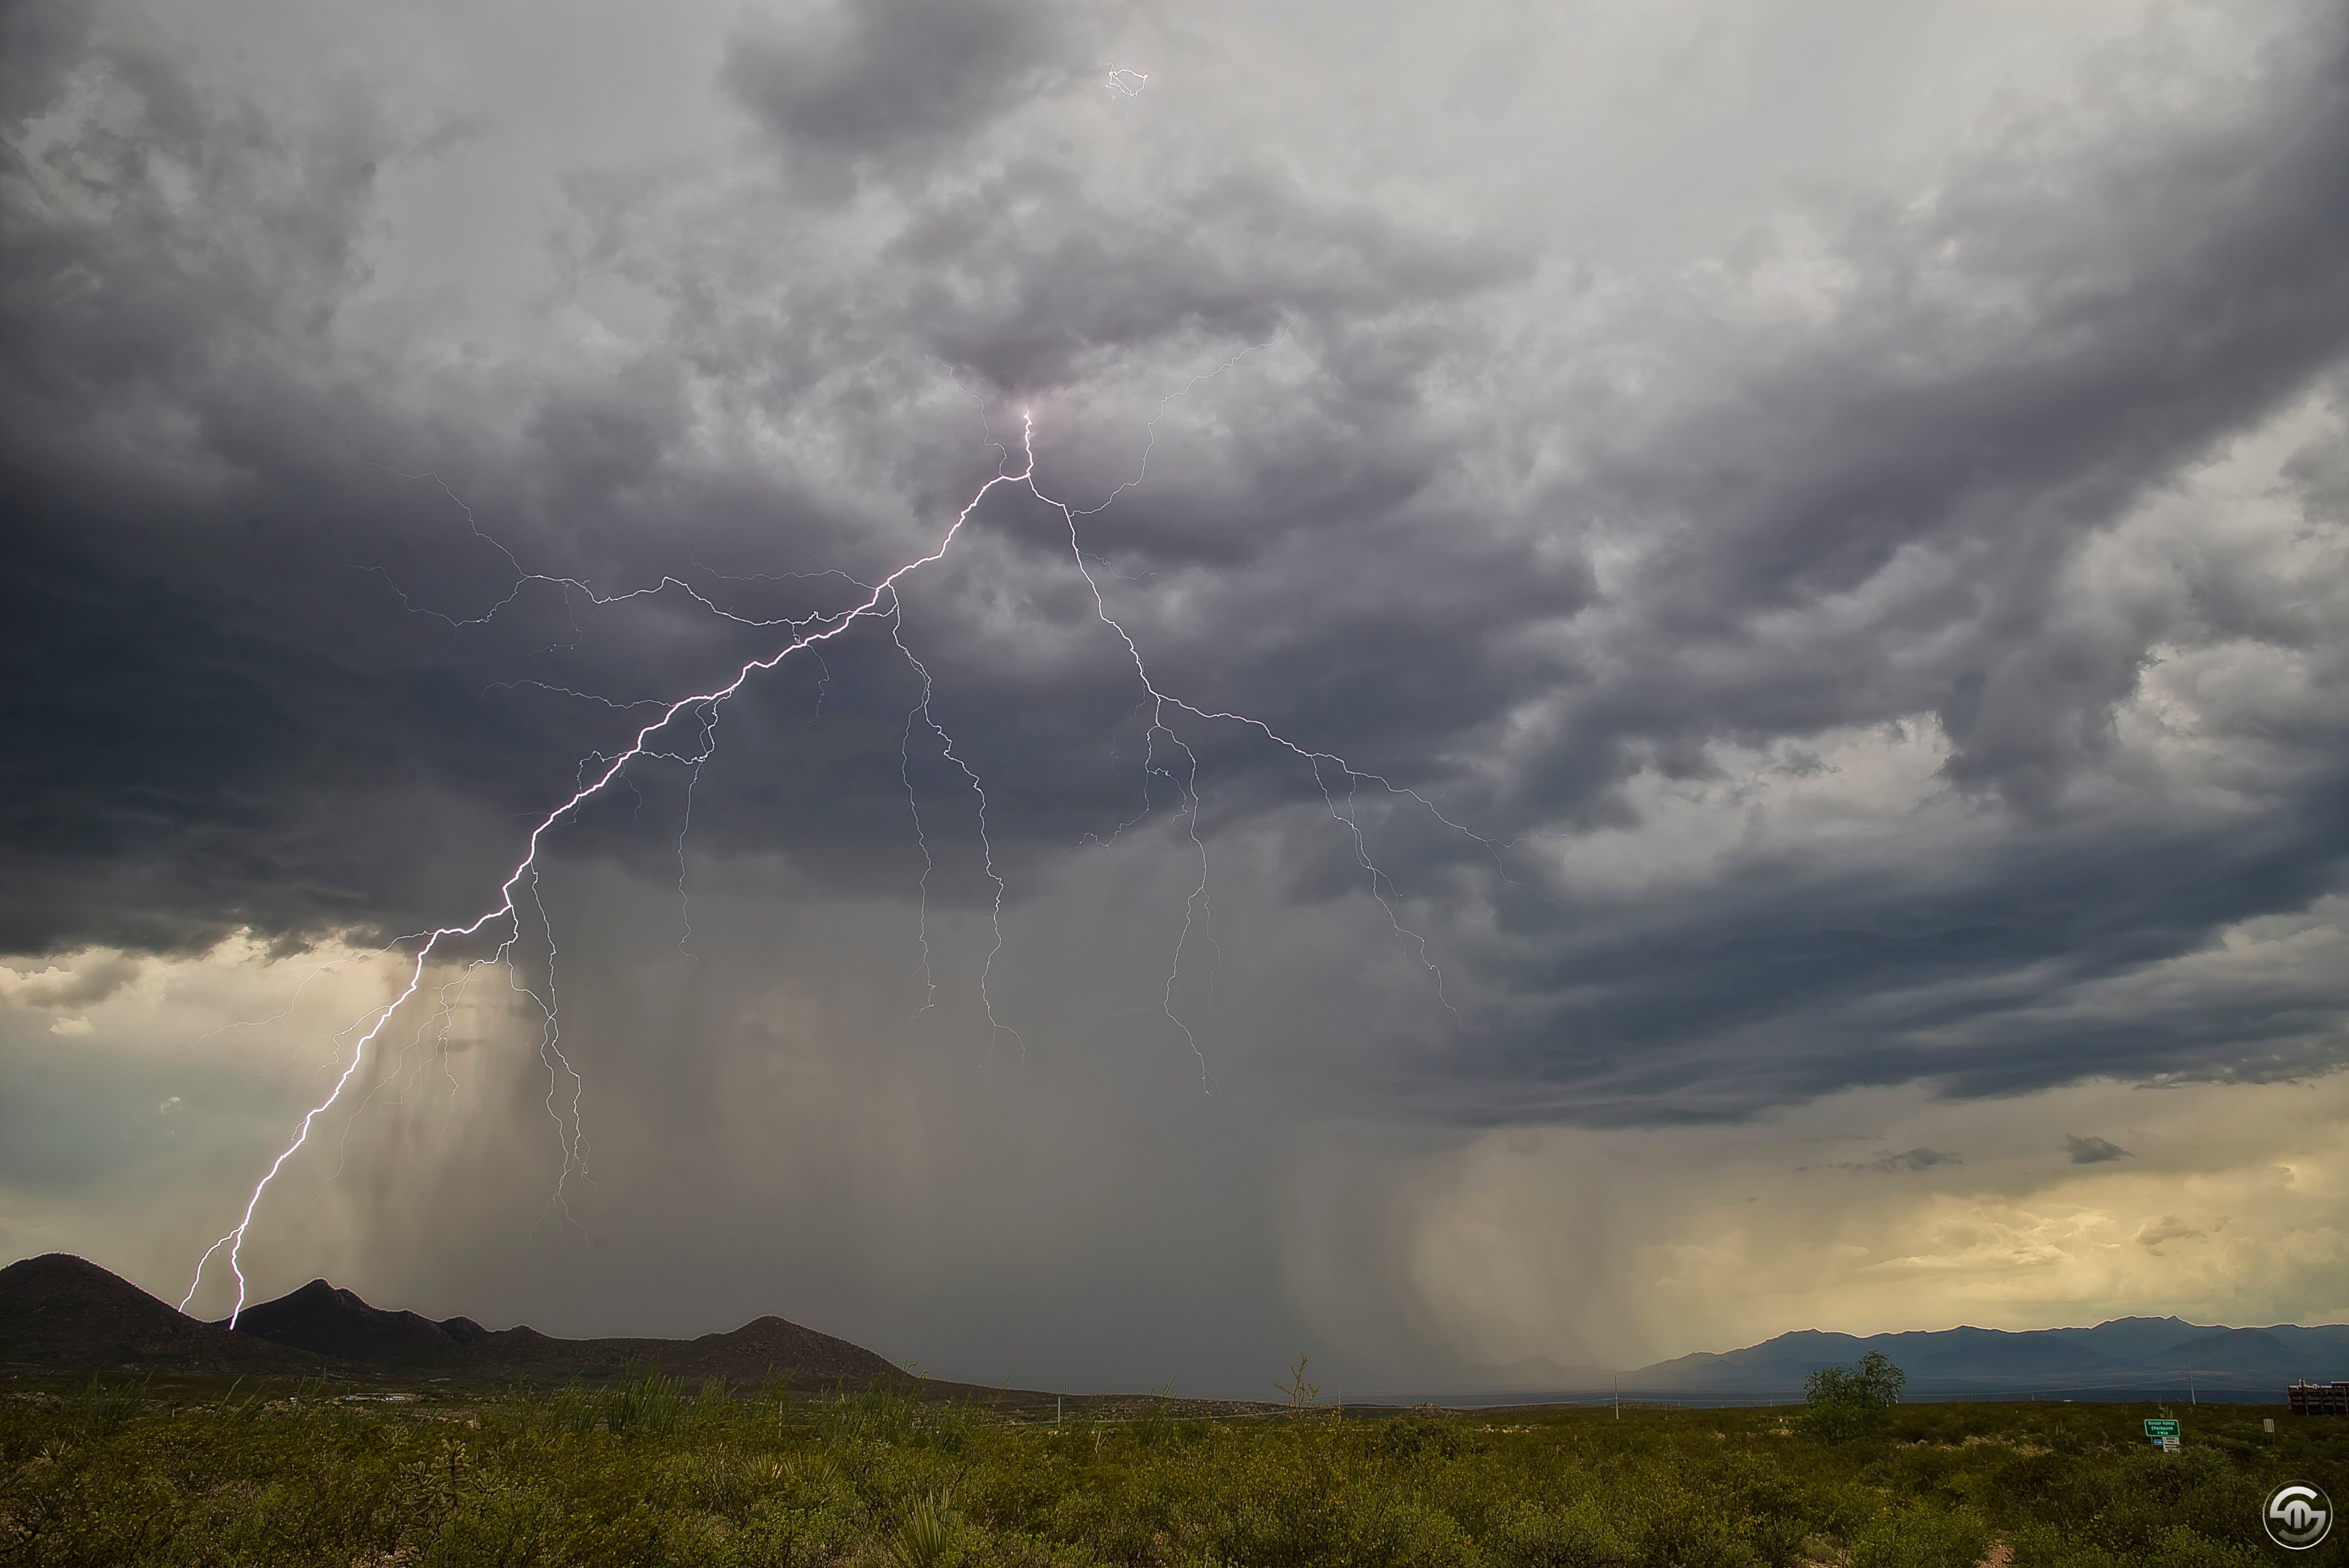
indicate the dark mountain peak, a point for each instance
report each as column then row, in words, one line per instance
column 62, row 1276
column 61, row 1310
column 464, row 1330
column 1818, row 1345
column 64, row 1311
column 318, row 1295
column 767, row 1327
column 1806, row 1337
column 800, row 1352
column 327, row 1320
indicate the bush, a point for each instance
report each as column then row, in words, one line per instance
column 1577, row 1536
column 645, row 1474
column 1841, row 1403
column 1919, row 1537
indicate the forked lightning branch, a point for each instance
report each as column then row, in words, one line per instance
column 685, row 733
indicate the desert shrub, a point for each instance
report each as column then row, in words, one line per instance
column 1919, row 1538
column 1413, row 1438
column 495, row 1529
column 1529, row 1535
column 646, row 1403
column 880, row 1413
column 1840, row 1402
column 1681, row 1529
column 255, row 1475
column 105, row 1407
column 925, row 1539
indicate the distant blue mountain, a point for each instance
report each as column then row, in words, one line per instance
column 2152, row 1357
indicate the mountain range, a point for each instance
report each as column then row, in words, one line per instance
column 2125, row 1358
column 61, row 1312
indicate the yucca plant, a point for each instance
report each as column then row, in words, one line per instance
column 647, row 1403
column 106, row 1406
column 922, row 1542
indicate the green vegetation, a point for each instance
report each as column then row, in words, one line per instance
column 649, row 1471
column 1840, row 1402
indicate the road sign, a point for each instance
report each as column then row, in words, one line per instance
column 2161, row 1426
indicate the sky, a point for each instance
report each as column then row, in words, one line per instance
column 1624, row 676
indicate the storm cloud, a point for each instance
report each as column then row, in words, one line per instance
column 1854, row 612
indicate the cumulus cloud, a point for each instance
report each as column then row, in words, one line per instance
column 1809, row 624
column 94, row 980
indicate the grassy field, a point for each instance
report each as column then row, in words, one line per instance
column 650, row 1472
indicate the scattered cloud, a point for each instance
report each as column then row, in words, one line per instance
column 94, row 978
column 1891, row 1161
column 2092, row 1150
column 2166, row 1227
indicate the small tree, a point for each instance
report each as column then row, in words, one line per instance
column 1302, row 1395
column 1842, row 1402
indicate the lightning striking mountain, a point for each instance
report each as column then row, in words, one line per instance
column 685, row 732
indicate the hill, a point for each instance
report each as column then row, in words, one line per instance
column 326, row 1320
column 64, row 1311
column 331, row 1322
column 2132, row 1357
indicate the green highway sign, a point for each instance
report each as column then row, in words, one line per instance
column 2160, row 1427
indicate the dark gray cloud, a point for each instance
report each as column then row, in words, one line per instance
column 1820, row 640
column 1863, row 519
column 1892, row 1160
column 893, row 86
column 2092, row 1150
column 37, row 40
column 1913, row 1159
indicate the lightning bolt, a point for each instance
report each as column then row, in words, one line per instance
column 698, row 712
column 985, row 846
column 508, row 910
